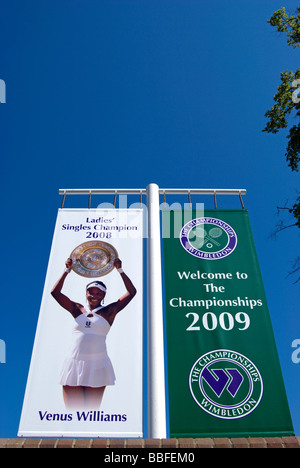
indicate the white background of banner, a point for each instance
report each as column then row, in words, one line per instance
column 54, row 330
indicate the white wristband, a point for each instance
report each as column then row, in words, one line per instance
column 120, row 270
column 67, row 270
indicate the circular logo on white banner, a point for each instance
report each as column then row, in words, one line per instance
column 226, row 384
column 208, row 238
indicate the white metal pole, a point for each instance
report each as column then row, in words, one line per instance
column 156, row 371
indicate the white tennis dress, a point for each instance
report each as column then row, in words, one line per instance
column 88, row 363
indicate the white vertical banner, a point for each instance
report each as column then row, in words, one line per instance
column 86, row 371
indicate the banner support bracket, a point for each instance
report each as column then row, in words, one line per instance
column 63, row 200
column 241, row 200
column 215, row 200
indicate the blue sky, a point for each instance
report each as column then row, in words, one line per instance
column 122, row 93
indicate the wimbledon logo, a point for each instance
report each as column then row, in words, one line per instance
column 208, row 238
column 226, row 384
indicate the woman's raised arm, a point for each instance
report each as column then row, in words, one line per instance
column 63, row 300
column 130, row 289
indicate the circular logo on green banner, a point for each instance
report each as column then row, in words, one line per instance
column 226, row 384
column 208, row 238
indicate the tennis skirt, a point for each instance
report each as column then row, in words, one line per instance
column 96, row 371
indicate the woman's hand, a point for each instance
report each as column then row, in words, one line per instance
column 117, row 263
column 69, row 263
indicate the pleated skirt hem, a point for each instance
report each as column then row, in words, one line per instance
column 87, row 373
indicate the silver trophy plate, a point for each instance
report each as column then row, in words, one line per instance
column 93, row 259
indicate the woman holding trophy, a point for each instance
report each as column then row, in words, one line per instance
column 88, row 370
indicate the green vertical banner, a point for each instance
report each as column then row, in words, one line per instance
column 224, row 375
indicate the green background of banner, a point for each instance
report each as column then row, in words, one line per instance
column 184, row 348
